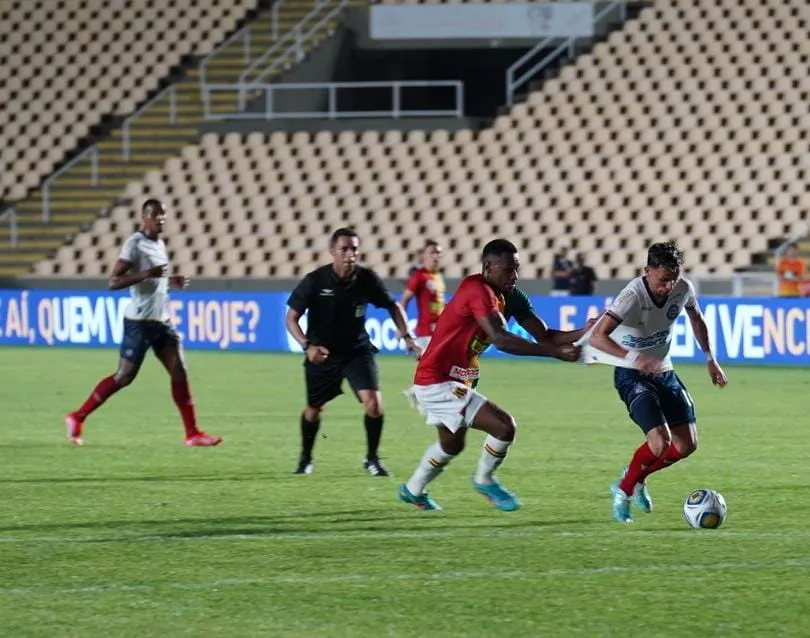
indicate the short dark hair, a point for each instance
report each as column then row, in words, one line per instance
column 342, row 232
column 429, row 243
column 498, row 247
column 151, row 205
column 665, row 255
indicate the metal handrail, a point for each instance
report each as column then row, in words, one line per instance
column 293, row 38
column 768, row 279
column 274, row 17
column 781, row 249
column 92, row 151
column 513, row 84
column 11, row 213
column 244, row 32
column 333, row 111
column 170, row 90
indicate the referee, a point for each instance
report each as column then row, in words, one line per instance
column 337, row 345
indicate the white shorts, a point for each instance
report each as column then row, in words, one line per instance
column 451, row 404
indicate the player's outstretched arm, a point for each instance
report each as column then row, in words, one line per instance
column 120, row 279
column 701, row 333
column 495, row 327
column 537, row 328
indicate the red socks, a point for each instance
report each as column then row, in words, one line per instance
column 644, row 463
column 670, row 456
column 103, row 391
column 642, row 460
column 181, row 394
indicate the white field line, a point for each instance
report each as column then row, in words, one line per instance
column 417, row 577
column 190, row 536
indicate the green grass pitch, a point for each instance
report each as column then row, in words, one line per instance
column 136, row 535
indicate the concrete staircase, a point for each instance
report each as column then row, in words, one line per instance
column 75, row 204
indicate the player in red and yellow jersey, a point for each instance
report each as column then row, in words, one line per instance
column 443, row 392
column 427, row 285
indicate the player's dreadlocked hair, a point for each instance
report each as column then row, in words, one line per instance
column 665, row 255
column 498, row 247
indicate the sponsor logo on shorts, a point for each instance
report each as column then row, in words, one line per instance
column 463, row 374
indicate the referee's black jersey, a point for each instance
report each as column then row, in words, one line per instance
column 337, row 308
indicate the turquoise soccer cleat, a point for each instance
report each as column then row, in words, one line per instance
column 500, row 497
column 621, row 505
column 642, row 498
column 641, row 495
column 422, row 501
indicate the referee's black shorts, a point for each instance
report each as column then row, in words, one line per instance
column 324, row 380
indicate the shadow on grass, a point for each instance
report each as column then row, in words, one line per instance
column 321, row 523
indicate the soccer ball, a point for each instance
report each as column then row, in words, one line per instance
column 705, row 509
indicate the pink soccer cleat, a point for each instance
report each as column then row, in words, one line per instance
column 201, row 439
column 74, row 429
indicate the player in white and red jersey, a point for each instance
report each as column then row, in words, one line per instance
column 635, row 335
column 443, row 391
column 143, row 267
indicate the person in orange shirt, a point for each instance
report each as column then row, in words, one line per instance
column 791, row 270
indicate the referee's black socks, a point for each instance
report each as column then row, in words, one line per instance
column 309, row 430
column 374, row 426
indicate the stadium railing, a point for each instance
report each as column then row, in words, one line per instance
column 755, row 283
column 540, row 58
column 9, row 214
column 333, row 109
column 89, row 154
column 169, row 94
column 244, row 34
column 781, row 249
column 290, row 47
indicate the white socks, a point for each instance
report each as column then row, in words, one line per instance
column 435, row 459
column 492, row 456
column 432, row 464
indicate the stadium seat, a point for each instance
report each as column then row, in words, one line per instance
column 639, row 140
column 72, row 62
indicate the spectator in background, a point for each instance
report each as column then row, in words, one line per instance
column 791, row 271
column 583, row 277
column 561, row 274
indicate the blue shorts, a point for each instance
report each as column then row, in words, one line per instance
column 654, row 401
column 140, row 336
